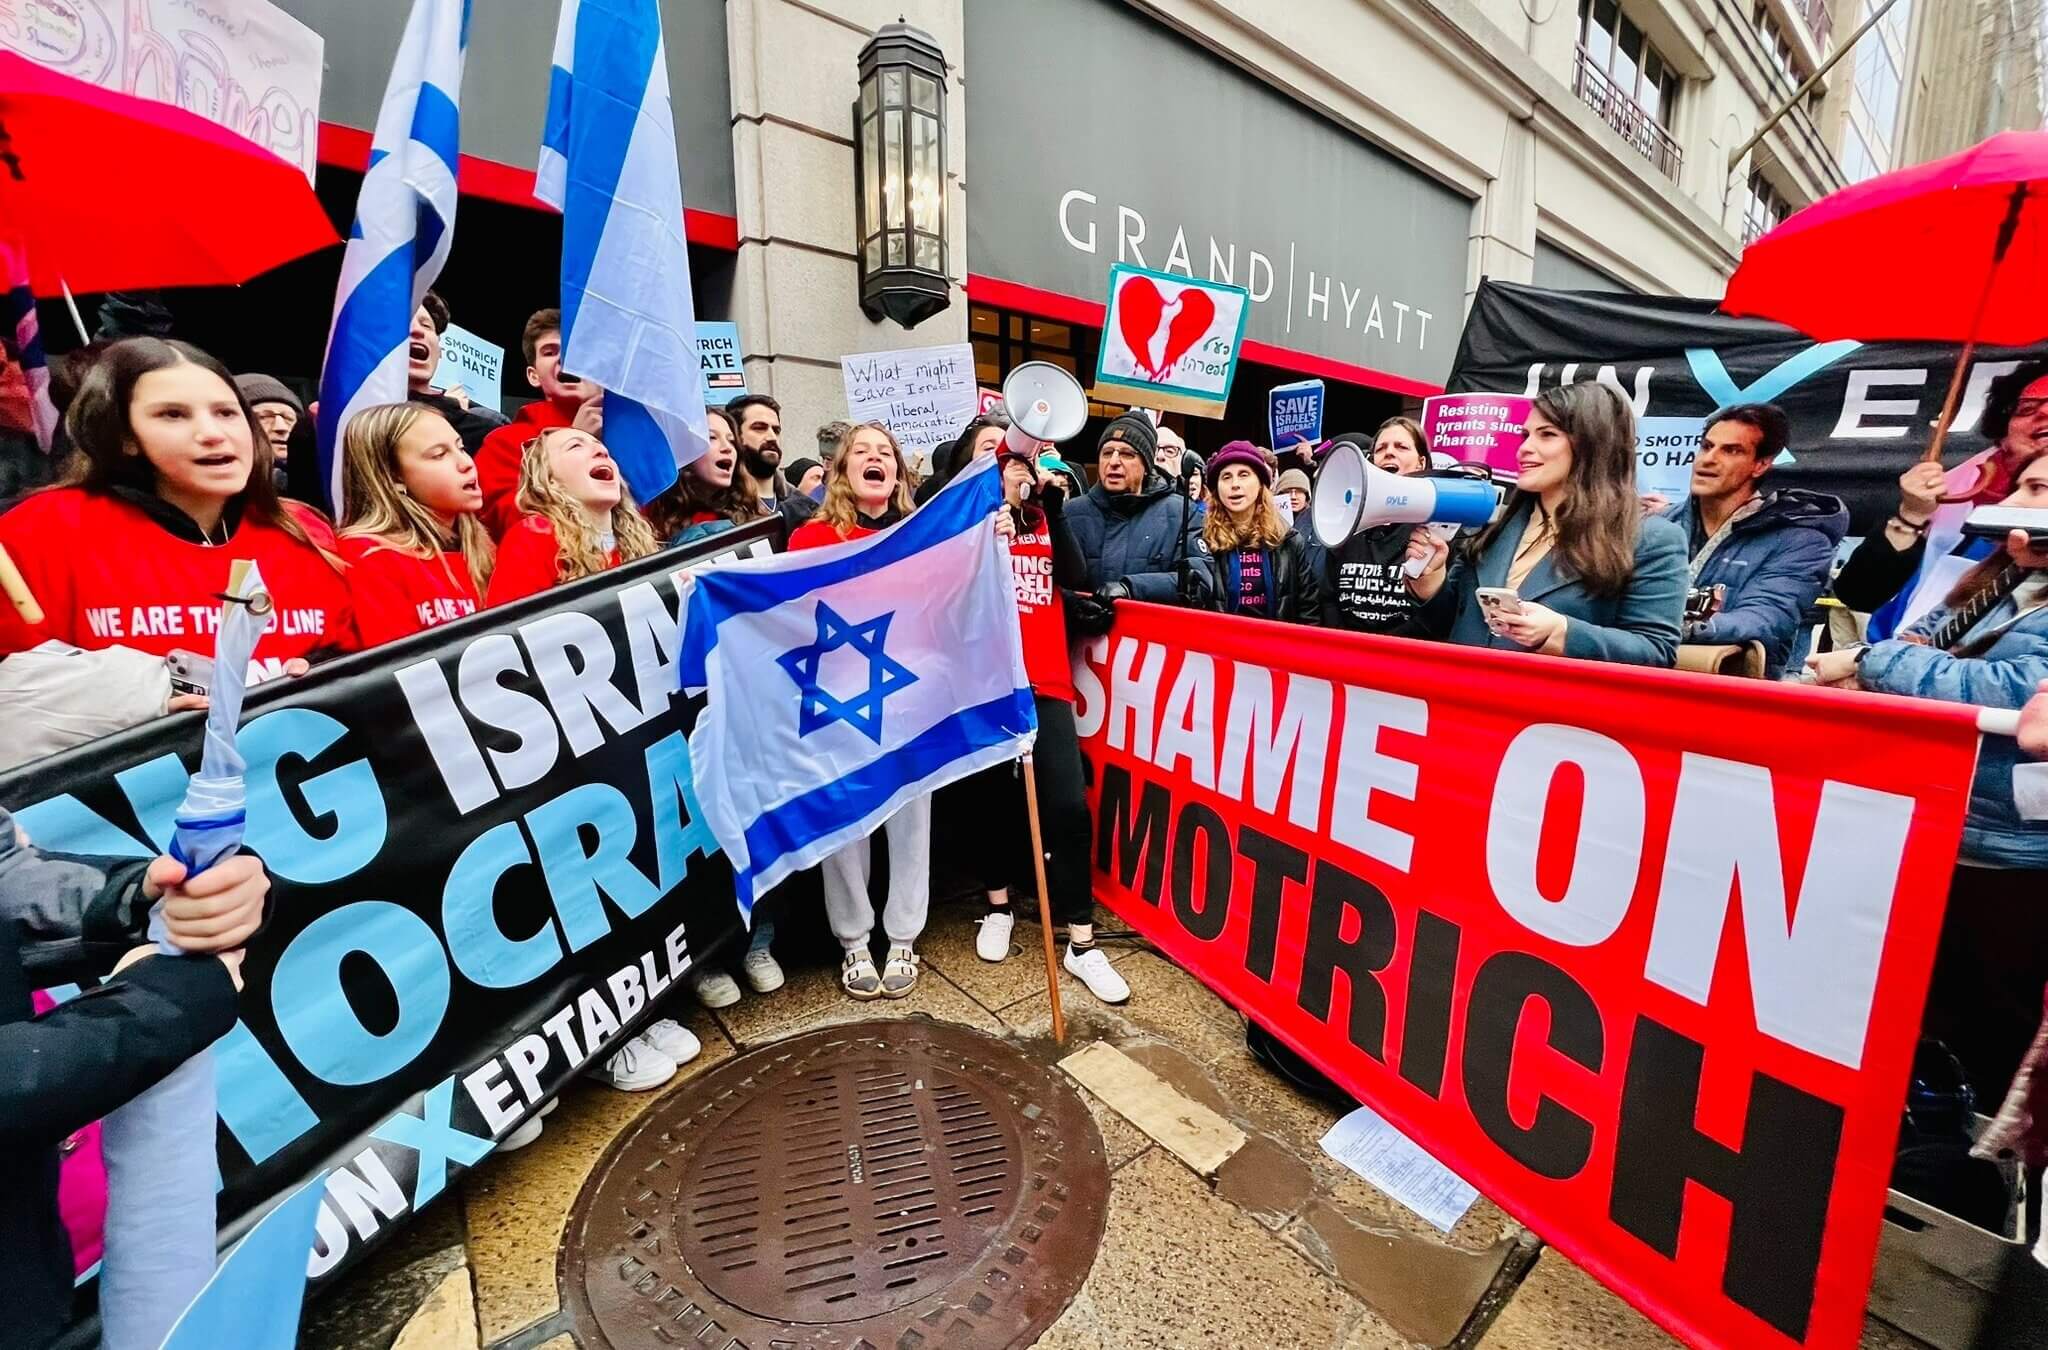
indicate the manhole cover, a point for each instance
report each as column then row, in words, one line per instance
column 883, row 1186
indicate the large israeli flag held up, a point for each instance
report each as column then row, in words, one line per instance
column 608, row 164
column 404, row 226
column 847, row 681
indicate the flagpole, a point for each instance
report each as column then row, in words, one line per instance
column 1052, row 970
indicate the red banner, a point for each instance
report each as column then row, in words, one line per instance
column 1641, row 955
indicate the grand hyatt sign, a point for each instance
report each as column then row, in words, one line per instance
column 1313, row 296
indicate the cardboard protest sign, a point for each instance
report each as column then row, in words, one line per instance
column 1294, row 413
column 478, row 366
column 718, row 353
column 1641, row 962
column 1476, row 428
column 1169, row 342
column 922, row 394
column 454, row 935
column 245, row 64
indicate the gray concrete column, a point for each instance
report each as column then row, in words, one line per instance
column 796, row 288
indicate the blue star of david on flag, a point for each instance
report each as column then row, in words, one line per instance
column 819, row 708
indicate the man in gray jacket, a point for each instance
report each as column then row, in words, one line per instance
column 1136, row 528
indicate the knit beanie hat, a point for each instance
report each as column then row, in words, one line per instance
column 1135, row 430
column 1295, row 479
column 258, row 389
column 1238, row 452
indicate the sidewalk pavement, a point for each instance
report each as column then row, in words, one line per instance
column 1282, row 1247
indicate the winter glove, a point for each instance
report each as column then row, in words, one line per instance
column 1087, row 615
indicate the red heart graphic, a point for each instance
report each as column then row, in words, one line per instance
column 1197, row 312
column 1140, row 311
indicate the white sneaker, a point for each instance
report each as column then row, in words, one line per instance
column 637, row 1067
column 714, row 988
column 992, row 943
column 1093, row 969
column 528, row 1131
column 764, row 974
column 673, row 1039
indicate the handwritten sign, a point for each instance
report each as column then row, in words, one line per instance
column 478, row 366
column 1170, row 342
column 718, row 354
column 245, row 64
column 923, row 394
column 1476, row 428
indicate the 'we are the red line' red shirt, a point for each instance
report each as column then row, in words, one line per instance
column 397, row 593
column 108, row 575
column 1040, row 611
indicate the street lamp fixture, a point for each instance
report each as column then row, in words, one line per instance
column 899, row 157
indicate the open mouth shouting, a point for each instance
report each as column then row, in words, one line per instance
column 874, row 473
column 603, row 473
column 223, row 459
column 416, row 351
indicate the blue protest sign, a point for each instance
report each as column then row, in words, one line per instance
column 1294, row 412
column 718, row 352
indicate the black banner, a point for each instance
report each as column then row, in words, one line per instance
column 1861, row 412
column 487, row 868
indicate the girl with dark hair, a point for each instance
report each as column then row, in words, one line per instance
column 705, row 500
column 419, row 555
column 1570, row 567
column 171, row 485
column 1252, row 563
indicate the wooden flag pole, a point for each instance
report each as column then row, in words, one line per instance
column 1052, row 969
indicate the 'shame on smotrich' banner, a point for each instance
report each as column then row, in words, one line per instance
column 1642, row 960
column 486, row 866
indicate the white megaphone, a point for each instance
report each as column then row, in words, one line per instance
column 1045, row 403
column 1352, row 494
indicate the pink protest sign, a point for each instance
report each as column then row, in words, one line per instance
column 1476, row 428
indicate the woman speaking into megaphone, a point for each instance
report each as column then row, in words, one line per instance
column 1570, row 567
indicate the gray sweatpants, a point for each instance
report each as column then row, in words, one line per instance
column 909, row 832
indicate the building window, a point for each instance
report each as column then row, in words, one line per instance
column 1868, row 140
column 1005, row 339
column 1857, row 161
column 1777, row 47
column 1627, row 81
column 1766, row 209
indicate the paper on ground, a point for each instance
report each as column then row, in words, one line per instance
column 1390, row 1160
column 1179, row 1124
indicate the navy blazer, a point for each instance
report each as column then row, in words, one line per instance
column 1639, row 627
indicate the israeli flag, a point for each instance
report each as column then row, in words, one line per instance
column 608, row 164
column 404, row 227
column 847, row 681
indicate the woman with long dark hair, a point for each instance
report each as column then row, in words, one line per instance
column 705, row 500
column 1364, row 589
column 171, row 487
column 1569, row 567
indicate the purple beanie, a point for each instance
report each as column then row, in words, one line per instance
column 1238, row 452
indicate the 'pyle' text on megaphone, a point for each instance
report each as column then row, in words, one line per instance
column 1352, row 494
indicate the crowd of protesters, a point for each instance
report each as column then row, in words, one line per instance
column 172, row 467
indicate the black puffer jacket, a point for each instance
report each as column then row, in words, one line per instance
column 1297, row 592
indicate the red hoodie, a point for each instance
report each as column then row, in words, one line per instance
column 497, row 462
column 528, row 561
column 107, row 575
column 397, row 593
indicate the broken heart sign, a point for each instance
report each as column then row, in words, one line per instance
column 1170, row 341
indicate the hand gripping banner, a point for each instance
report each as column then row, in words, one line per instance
column 1641, row 955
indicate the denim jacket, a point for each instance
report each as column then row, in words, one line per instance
column 2003, row 674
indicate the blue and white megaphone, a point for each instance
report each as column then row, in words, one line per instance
column 1352, row 494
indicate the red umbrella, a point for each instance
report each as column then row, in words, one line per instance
column 109, row 192
column 1955, row 250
